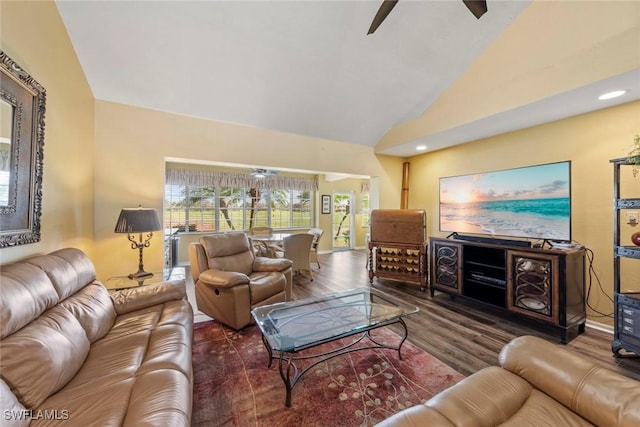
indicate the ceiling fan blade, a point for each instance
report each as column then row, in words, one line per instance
column 477, row 7
column 385, row 9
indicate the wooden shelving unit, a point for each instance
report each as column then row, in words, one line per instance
column 626, row 284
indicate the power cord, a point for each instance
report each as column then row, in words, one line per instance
column 592, row 275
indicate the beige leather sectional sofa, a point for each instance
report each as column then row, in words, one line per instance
column 539, row 384
column 71, row 353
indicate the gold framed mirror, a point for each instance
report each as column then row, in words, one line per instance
column 22, row 107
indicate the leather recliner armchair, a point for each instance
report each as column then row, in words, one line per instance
column 230, row 280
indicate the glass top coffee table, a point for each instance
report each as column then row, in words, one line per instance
column 290, row 327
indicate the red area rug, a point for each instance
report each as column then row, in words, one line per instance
column 234, row 387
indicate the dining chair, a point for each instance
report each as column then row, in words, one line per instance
column 297, row 248
column 317, row 234
column 264, row 248
column 261, row 231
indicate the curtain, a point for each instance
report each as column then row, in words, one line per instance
column 212, row 178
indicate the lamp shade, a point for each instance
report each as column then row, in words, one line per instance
column 137, row 220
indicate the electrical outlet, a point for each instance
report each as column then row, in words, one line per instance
column 632, row 218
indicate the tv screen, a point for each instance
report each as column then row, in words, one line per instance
column 529, row 202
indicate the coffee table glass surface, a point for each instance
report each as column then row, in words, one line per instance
column 293, row 326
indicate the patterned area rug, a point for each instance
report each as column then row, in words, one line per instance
column 234, row 387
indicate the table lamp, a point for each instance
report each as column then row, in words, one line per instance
column 138, row 220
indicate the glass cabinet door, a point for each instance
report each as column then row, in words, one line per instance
column 446, row 261
column 532, row 287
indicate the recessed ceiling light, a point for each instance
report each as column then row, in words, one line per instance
column 613, row 94
column 421, row 147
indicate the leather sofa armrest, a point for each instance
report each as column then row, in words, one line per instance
column 271, row 264
column 197, row 259
column 602, row 396
column 127, row 300
column 223, row 279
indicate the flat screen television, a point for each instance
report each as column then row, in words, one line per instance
column 532, row 202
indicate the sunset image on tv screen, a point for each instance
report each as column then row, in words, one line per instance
column 529, row 202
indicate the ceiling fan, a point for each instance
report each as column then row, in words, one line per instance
column 261, row 173
column 477, row 7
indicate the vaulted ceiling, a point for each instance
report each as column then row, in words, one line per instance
column 431, row 74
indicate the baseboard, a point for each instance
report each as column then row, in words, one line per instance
column 599, row 326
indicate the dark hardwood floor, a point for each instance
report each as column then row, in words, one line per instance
column 466, row 336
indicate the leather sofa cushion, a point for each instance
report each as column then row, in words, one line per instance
column 574, row 381
column 42, row 357
column 68, row 269
column 167, row 406
column 489, row 397
column 93, row 308
column 416, row 416
column 264, row 285
column 229, row 252
column 154, row 399
column 540, row 410
column 31, row 287
column 26, row 293
column 137, row 373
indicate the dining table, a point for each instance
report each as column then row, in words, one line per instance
column 270, row 243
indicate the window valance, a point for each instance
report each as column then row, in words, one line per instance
column 213, row 178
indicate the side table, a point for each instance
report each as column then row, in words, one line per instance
column 117, row 283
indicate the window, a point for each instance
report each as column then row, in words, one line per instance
column 230, row 209
column 190, row 208
column 366, row 210
column 193, row 207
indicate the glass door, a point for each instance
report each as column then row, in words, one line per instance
column 342, row 220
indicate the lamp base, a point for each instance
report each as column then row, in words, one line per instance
column 140, row 274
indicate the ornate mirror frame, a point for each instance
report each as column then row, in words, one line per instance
column 22, row 104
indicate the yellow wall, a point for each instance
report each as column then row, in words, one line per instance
column 33, row 35
column 132, row 145
column 589, row 141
